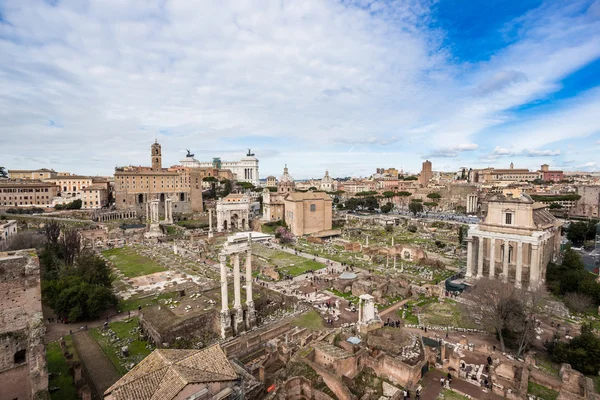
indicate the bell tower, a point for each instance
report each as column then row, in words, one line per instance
column 156, row 156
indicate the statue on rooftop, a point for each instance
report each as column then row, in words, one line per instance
column 189, row 153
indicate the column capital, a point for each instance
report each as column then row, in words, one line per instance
column 222, row 258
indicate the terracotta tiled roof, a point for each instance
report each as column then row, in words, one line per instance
column 165, row 372
column 299, row 196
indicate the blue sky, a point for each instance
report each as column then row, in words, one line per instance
column 347, row 85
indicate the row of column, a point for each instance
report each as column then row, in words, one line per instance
column 248, row 173
column 238, row 319
column 152, row 215
column 112, row 216
column 534, row 266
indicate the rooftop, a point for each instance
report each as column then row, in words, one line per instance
column 165, row 372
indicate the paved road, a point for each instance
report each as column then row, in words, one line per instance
column 45, row 217
column 102, row 371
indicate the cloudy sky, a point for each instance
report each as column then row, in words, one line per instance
column 318, row 84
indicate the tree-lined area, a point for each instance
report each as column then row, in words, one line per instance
column 76, row 283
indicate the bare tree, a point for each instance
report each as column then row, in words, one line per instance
column 492, row 304
column 24, row 240
column 71, row 244
column 578, row 302
column 52, row 231
column 532, row 302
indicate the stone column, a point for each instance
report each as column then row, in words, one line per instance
column 468, row 273
column 359, row 310
column 210, row 227
column 250, row 313
column 519, row 272
column 148, row 212
column 492, row 258
column 534, row 267
column 224, row 300
column 480, row 249
column 505, row 260
column 248, row 276
column 236, row 281
column 224, row 314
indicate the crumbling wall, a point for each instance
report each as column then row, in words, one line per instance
column 298, row 387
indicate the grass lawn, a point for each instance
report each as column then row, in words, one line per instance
column 133, row 303
column 452, row 395
column 130, row 263
column 311, row 320
column 125, row 331
column 57, row 365
column 287, row 263
column 541, row 392
column 545, row 364
column 447, row 313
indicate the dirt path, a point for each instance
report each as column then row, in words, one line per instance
column 393, row 308
column 101, row 370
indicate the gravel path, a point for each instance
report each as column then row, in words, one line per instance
column 98, row 365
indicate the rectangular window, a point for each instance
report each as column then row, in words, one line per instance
column 508, row 219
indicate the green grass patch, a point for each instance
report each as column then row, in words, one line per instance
column 347, row 296
column 287, row 263
column 541, row 392
column 133, row 303
column 310, row 320
column 57, row 365
column 130, row 263
column 127, row 335
column 544, row 363
column 452, row 395
column 448, row 313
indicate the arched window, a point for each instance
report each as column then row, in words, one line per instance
column 313, row 207
column 162, row 197
column 140, row 198
column 182, row 197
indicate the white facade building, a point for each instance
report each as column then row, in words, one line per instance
column 245, row 170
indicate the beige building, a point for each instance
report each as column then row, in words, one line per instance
column 27, row 193
column 70, row 186
column 36, row 174
column 307, row 213
column 515, row 242
column 23, row 372
column 134, row 186
column 273, row 204
column 7, row 229
column 94, row 197
column 173, row 374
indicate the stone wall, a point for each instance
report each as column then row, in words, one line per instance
column 22, row 330
column 395, row 370
column 299, row 387
column 339, row 389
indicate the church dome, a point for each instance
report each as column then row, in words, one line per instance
column 327, row 178
column 286, row 177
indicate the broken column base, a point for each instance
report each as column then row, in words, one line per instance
column 155, row 231
column 226, row 330
column 238, row 320
column 250, row 315
column 370, row 326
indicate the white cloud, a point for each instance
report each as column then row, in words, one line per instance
column 452, row 151
column 229, row 75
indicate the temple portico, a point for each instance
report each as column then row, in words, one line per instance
column 515, row 242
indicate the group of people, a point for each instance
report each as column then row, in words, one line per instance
column 406, row 394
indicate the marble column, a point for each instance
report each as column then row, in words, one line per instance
column 468, row 273
column 505, row 260
column 248, row 276
column 519, row 272
column 534, row 269
column 492, row 258
column 237, row 303
column 224, row 300
column 480, row 250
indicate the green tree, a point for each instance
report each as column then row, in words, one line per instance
column 462, row 230
column 415, row 207
column 386, row 208
column 371, row 203
column 582, row 352
column 388, row 194
column 434, row 196
column 555, row 206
